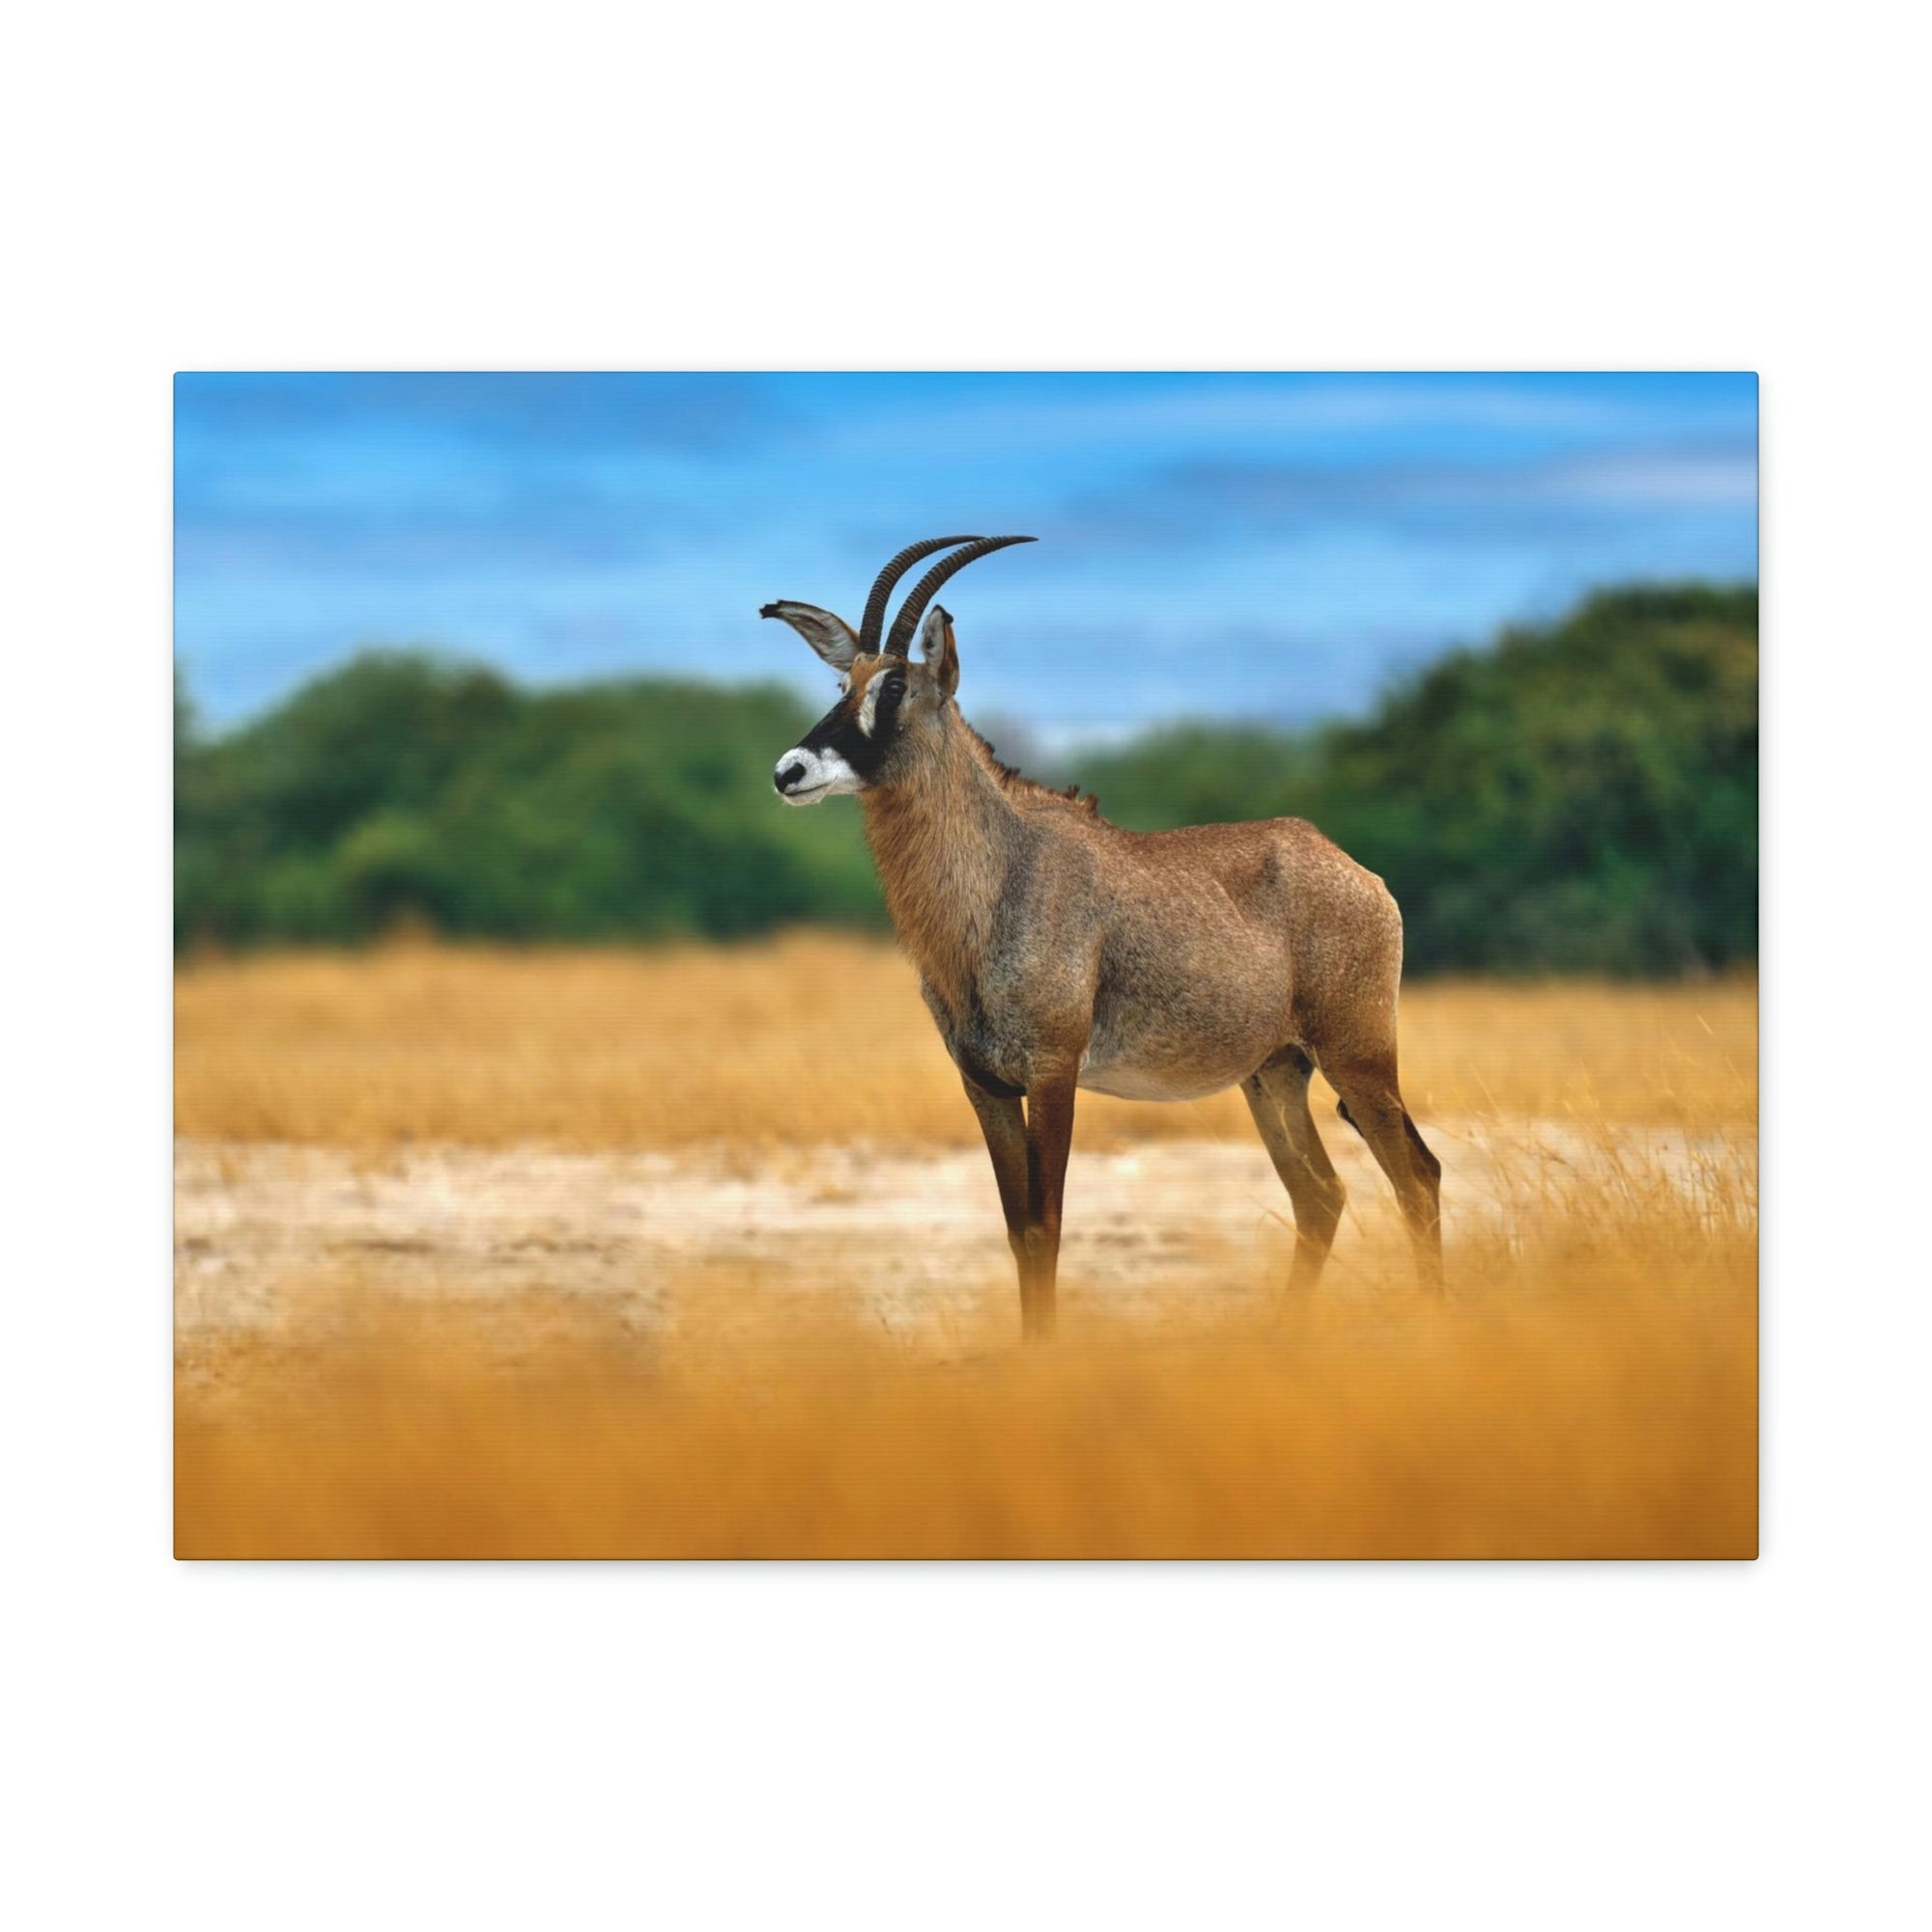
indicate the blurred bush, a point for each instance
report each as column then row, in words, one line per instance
column 1576, row 798
column 405, row 789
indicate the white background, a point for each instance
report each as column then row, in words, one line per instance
column 1658, row 186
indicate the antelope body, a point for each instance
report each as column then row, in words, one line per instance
column 1057, row 950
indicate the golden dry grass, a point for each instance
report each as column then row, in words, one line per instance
column 1589, row 1391
column 595, row 1048
column 1571, row 1410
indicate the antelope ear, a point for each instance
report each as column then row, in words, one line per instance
column 831, row 638
column 937, row 646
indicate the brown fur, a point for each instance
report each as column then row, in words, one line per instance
column 1057, row 950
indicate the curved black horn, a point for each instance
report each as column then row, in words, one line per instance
column 920, row 594
column 882, row 588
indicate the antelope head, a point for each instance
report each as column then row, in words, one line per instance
column 888, row 705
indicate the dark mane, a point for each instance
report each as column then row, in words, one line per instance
column 1017, row 781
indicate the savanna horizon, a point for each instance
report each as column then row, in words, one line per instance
column 1589, row 1390
column 482, row 1044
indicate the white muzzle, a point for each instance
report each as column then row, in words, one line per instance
column 804, row 777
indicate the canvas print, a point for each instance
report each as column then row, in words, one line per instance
column 965, row 965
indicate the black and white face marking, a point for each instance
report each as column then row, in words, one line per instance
column 849, row 747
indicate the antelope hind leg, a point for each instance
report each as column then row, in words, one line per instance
column 1372, row 1104
column 1277, row 1096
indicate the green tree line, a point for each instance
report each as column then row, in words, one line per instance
column 1580, row 797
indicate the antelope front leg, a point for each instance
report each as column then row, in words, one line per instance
column 1003, row 1122
column 1049, row 1138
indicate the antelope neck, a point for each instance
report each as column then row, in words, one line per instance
column 944, row 838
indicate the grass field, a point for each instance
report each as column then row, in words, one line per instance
column 487, row 1047
column 490, row 1253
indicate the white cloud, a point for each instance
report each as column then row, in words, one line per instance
column 1690, row 480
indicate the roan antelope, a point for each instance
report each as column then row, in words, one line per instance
column 1057, row 950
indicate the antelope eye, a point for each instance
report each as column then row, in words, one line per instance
column 895, row 687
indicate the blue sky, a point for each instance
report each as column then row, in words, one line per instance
column 1224, row 545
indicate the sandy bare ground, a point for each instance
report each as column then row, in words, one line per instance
column 267, row 1236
